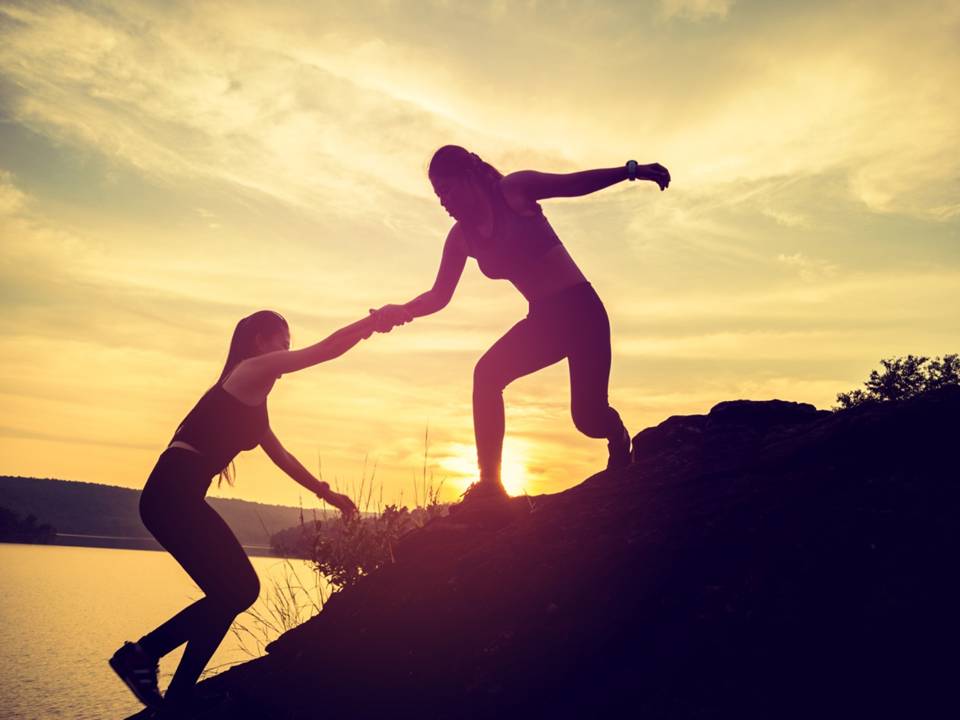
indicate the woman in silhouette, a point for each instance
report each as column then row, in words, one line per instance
column 498, row 221
column 231, row 416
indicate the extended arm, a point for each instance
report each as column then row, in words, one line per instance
column 271, row 365
column 436, row 298
column 532, row 185
column 292, row 467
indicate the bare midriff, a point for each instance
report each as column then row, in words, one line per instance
column 554, row 271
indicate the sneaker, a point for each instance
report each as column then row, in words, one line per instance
column 482, row 493
column 620, row 450
column 139, row 671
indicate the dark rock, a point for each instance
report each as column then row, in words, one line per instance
column 764, row 414
column 731, row 431
column 766, row 560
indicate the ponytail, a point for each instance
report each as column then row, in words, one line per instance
column 456, row 161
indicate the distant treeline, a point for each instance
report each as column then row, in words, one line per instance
column 13, row 528
column 81, row 508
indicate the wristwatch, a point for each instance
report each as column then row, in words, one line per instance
column 631, row 170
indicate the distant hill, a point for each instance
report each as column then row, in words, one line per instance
column 92, row 509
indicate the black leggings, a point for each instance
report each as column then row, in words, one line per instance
column 173, row 508
column 572, row 324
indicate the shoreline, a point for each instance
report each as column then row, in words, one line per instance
column 127, row 543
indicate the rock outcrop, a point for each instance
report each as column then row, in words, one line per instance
column 766, row 560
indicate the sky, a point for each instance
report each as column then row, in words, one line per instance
column 169, row 167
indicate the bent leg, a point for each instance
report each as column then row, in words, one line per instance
column 525, row 348
column 589, row 356
column 589, row 404
column 219, row 565
column 206, row 548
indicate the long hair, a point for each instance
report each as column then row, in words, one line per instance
column 243, row 345
column 455, row 161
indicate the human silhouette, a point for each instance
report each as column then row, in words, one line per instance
column 499, row 222
column 231, row 416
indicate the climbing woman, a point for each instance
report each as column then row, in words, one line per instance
column 231, row 416
column 499, row 221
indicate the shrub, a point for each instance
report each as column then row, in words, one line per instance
column 903, row 378
column 13, row 528
column 340, row 551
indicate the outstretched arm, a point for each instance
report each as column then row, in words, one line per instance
column 436, row 298
column 271, row 365
column 292, row 467
column 532, row 185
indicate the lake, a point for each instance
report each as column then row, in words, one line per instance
column 64, row 610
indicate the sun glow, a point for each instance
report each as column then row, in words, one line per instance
column 460, row 462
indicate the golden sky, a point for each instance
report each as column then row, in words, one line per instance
column 166, row 168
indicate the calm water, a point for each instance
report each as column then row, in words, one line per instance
column 64, row 610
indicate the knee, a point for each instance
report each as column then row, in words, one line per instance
column 486, row 378
column 592, row 421
column 247, row 591
column 152, row 514
column 146, row 512
column 241, row 593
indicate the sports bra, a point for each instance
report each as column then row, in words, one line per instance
column 516, row 242
column 219, row 426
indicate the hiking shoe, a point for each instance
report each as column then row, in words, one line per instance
column 620, row 450
column 483, row 493
column 139, row 671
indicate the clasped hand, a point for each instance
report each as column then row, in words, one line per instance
column 389, row 316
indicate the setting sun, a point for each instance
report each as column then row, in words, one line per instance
column 459, row 463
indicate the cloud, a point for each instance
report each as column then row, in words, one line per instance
column 203, row 160
column 809, row 269
column 70, row 439
column 694, row 10
column 759, row 346
column 11, row 198
column 338, row 114
column 785, row 218
column 891, row 297
column 152, row 91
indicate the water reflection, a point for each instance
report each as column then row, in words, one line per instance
column 64, row 610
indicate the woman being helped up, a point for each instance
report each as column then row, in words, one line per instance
column 499, row 222
column 230, row 417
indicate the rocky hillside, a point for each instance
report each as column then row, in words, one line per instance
column 766, row 560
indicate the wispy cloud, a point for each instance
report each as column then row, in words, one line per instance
column 809, row 269
column 200, row 161
column 70, row 439
column 695, row 9
column 11, row 198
